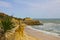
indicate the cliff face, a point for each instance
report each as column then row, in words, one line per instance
column 30, row 21
column 17, row 32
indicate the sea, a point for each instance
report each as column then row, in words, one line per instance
column 50, row 26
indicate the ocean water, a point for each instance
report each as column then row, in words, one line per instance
column 49, row 25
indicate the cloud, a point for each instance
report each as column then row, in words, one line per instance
column 36, row 4
column 43, row 8
column 5, row 4
column 6, row 7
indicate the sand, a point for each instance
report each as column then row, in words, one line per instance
column 25, row 37
column 40, row 35
column 30, row 34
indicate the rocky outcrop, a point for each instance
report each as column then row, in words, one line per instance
column 30, row 21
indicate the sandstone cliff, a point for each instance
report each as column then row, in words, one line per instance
column 16, row 32
column 30, row 21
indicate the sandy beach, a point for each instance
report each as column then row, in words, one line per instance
column 40, row 35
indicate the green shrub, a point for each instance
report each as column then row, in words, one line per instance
column 7, row 24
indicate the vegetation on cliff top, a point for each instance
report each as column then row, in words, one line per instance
column 7, row 23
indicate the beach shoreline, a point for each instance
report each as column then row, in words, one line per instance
column 46, row 32
column 40, row 34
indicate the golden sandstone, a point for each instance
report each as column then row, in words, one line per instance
column 17, row 33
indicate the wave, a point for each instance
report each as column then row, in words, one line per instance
column 48, row 28
column 45, row 32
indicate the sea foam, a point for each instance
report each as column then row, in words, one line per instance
column 48, row 28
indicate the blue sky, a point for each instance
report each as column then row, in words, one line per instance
column 31, row 8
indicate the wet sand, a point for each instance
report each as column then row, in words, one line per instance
column 40, row 35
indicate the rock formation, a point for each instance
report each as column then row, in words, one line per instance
column 30, row 21
column 17, row 32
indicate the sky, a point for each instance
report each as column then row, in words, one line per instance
column 31, row 8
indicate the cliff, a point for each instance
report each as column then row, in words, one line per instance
column 12, row 28
column 27, row 20
column 30, row 21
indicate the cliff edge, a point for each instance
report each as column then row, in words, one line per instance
column 12, row 28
